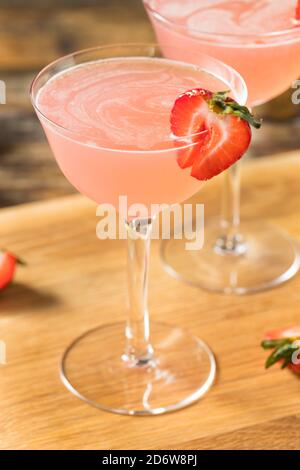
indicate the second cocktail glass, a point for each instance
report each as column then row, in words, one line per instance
column 253, row 255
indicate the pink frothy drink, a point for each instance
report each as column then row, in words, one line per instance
column 108, row 124
column 259, row 38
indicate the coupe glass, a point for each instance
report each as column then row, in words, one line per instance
column 254, row 255
column 137, row 368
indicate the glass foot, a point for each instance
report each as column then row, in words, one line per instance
column 182, row 371
column 265, row 258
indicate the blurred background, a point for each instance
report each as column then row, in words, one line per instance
column 35, row 32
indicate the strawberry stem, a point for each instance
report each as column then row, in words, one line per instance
column 283, row 350
column 19, row 261
column 271, row 343
column 220, row 103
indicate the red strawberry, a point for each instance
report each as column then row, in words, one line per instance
column 286, row 348
column 219, row 127
column 7, row 268
column 298, row 11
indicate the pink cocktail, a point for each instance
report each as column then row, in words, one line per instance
column 260, row 39
column 115, row 137
column 106, row 113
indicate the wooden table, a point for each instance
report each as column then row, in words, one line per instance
column 74, row 282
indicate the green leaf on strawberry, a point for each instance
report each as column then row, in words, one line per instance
column 285, row 346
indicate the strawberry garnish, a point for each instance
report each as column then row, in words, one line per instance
column 219, row 128
column 8, row 263
column 286, row 348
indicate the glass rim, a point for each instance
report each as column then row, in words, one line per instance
column 155, row 46
column 272, row 34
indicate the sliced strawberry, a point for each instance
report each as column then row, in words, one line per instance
column 187, row 119
column 217, row 126
column 7, row 268
column 286, row 348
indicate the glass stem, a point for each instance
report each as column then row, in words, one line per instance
column 231, row 241
column 139, row 351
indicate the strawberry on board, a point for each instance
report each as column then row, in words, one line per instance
column 285, row 344
column 8, row 263
column 219, row 128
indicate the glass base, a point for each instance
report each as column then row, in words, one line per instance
column 265, row 257
column 182, row 371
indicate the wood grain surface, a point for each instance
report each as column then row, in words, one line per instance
column 74, row 282
column 35, row 32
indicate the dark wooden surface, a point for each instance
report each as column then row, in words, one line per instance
column 33, row 33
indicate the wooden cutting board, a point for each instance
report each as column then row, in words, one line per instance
column 74, row 282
